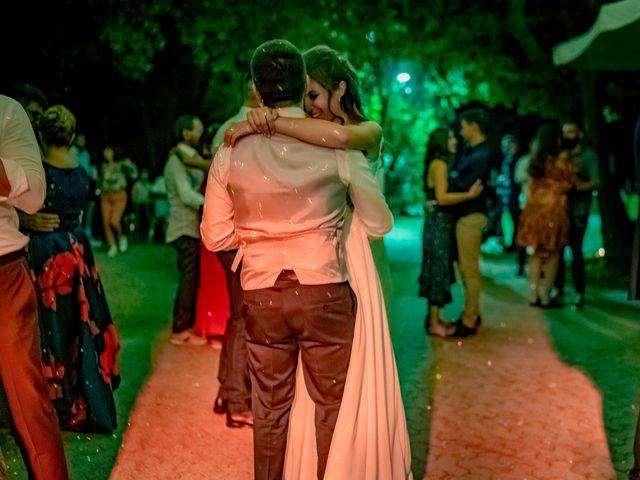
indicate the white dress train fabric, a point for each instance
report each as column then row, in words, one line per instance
column 370, row 440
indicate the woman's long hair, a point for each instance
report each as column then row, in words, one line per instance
column 546, row 147
column 437, row 149
column 327, row 67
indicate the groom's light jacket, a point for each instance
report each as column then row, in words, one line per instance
column 282, row 204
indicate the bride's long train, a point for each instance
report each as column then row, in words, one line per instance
column 370, row 440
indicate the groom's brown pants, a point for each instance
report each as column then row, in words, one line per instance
column 282, row 321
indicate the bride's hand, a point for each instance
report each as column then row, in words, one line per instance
column 263, row 120
column 236, row 131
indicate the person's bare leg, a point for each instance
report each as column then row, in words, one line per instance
column 549, row 269
column 535, row 262
column 436, row 325
column 105, row 205
column 119, row 206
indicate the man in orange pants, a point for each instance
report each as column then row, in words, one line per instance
column 22, row 186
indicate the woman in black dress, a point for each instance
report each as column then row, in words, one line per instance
column 438, row 235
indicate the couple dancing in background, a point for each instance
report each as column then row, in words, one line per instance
column 455, row 217
column 322, row 367
column 58, row 342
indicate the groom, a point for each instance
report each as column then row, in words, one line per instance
column 282, row 203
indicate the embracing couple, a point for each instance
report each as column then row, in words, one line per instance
column 300, row 203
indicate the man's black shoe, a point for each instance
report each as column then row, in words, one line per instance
column 239, row 420
column 220, row 406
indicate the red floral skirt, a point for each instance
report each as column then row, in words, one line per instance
column 78, row 338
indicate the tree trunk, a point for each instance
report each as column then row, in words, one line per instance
column 522, row 33
column 617, row 230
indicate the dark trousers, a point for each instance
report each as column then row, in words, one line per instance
column 33, row 415
column 316, row 321
column 188, row 262
column 577, row 229
column 233, row 371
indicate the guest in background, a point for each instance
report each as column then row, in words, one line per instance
column 142, row 203
column 476, row 163
column 80, row 152
column 23, row 186
column 79, row 341
column 579, row 205
column 544, row 223
column 183, row 232
column 212, row 306
column 32, row 100
column 439, row 226
column 113, row 197
column 234, row 394
column 521, row 177
column 510, row 150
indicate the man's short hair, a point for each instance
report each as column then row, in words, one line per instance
column 25, row 94
column 185, row 122
column 477, row 116
column 278, row 72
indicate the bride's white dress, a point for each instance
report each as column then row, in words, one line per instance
column 370, row 441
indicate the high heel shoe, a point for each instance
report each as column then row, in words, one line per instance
column 220, row 406
column 239, row 419
column 463, row 331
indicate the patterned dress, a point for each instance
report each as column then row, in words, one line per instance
column 79, row 341
column 544, row 223
column 438, row 250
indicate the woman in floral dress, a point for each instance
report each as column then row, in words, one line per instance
column 79, row 341
column 544, row 223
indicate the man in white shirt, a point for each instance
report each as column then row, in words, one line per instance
column 282, row 204
column 234, row 395
column 22, row 186
column 250, row 101
column 183, row 232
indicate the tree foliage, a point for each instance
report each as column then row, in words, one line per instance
column 141, row 64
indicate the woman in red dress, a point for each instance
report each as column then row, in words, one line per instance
column 212, row 307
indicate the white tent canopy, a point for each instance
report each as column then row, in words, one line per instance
column 612, row 43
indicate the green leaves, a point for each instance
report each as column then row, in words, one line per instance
column 133, row 32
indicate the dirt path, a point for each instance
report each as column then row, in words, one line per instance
column 173, row 433
column 505, row 405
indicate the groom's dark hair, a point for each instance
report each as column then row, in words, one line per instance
column 278, row 73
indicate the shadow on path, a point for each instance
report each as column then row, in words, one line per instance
column 602, row 341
